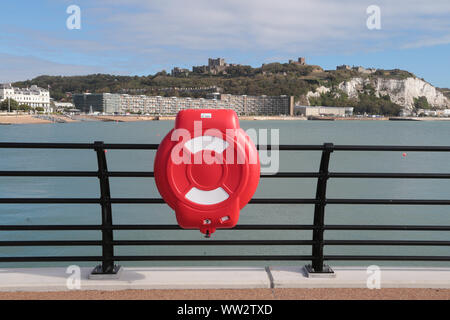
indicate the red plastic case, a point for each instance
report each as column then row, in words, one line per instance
column 211, row 170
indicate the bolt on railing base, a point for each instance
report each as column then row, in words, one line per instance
column 326, row 272
column 98, row 274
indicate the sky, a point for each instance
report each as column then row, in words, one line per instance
column 142, row 37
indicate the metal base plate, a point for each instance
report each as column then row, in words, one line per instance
column 97, row 274
column 327, row 272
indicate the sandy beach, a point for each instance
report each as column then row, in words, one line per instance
column 21, row 119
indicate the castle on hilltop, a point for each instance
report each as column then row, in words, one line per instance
column 219, row 65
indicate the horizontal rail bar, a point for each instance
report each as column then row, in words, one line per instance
column 253, row 201
column 39, row 243
column 51, row 259
column 49, row 227
column 138, row 201
column 149, row 174
column 51, row 200
column 212, row 242
column 46, row 145
column 288, row 147
column 389, row 175
column 385, row 242
column 56, row 243
column 391, row 148
column 255, row 227
column 48, row 173
column 385, row 258
column 388, row 227
column 157, row 258
column 388, row 201
column 213, row 258
column 39, row 145
column 226, row 258
column 144, row 227
column 46, row 243
column 291, row 175
column 131, row 174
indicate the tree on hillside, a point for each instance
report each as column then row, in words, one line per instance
column 421, row 103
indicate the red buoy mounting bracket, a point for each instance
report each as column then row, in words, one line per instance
column 207, row 169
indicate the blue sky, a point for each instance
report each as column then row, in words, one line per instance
column 141, row 37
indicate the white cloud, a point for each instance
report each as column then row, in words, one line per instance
column 268, row 24
column 18, row 68
column 426, row 42
column 136, row 36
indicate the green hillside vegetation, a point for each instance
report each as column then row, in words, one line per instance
column 270, row 79
column 421, row 103
column 396, row 74
column 366, row 103
column 445, row 91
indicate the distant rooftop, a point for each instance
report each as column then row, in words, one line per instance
column 33, row 88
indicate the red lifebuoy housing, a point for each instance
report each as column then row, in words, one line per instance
column 207, row 169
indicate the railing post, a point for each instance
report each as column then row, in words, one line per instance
column 107, row 268
column 317, row 267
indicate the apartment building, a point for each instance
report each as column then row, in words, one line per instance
column 242, row 104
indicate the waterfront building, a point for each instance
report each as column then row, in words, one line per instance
column 124, row 103
column 319, row 111
column 97, row 102
column 32, row 96
column 64, row 105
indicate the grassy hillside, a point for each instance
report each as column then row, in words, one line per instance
column 445, row 91
column 270, row 79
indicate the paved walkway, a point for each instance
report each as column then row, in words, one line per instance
column 239, row 294
column 188, row 278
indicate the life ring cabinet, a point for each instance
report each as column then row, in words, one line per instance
column 207, row 169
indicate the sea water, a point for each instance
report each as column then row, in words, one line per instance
column 290, row 132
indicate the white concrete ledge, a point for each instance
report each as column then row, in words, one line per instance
column 55, row 279
column 356, row 277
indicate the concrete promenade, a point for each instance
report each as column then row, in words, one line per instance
column 177, row 278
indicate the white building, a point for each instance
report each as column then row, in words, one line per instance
column 309, row 111
column 64, row 105
column 32, row 96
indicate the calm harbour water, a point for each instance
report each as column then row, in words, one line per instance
column 291, row 132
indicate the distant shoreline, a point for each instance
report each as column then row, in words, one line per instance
column 42, row 119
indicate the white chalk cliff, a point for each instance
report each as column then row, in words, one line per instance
column 402, row 92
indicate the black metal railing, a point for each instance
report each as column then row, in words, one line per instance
column 317, row 258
